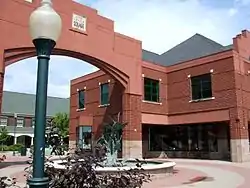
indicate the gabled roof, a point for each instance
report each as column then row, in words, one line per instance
column 23, row 103
column 195, row 47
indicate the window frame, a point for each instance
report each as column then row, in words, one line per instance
column 20, row 119
column 200, row 81
column 83, row 91
column 33, row 122
column 6, row 118
column 106, row 103
column 79, row 133
column 152, row 94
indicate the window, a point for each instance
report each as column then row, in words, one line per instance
column 201, row 87
column 3, row 121
column 20, row 122
column 104, row 94
column 151, row 90
column 33, row 122
column 84, row 137
column 81, row 99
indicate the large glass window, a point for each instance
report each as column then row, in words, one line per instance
column 104, row 94
column 151, row 90
column 84, row 136
column 201, row 87
column 81, row 99
column 183, row 138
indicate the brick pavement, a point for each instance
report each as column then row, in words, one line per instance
column 187, row 174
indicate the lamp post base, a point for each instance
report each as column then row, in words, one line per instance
column 38, row 182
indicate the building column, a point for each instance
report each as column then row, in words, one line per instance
column 15, row 140
column 132, row 133
column 1, row 87
column 32, row 141
column 239, row 138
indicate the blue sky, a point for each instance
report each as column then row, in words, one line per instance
column 160, row 24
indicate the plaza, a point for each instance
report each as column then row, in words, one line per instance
column 188, row 173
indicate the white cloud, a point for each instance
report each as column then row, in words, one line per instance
column 160, row 24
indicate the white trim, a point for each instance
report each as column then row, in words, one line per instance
column 204, row 99
column 152, row 102
column 21, row 134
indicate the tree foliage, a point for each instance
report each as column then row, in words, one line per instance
column 61, row 121
column 4, row 135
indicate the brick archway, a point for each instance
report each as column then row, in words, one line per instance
column 116, row 54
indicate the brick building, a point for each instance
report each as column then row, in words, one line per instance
column 195, row 102
column 195, row 98
column 18, row 113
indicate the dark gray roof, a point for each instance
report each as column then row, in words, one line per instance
column 195, row 47
column 23, row 103
column 150, row 56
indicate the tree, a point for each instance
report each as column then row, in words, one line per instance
column 3, row 135
column 61, row 122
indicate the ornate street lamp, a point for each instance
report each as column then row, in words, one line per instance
column 45, row 28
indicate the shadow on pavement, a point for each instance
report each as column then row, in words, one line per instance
column 198, row 179
column 7, row 164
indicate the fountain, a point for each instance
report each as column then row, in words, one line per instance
column 111, row 139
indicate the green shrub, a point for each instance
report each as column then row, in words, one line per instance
column 4, row 148
column 16, row 147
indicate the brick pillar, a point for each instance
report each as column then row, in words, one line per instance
column 1, row 90
column 2, row 67
column 239, row 138
column 132, row 134
column 73, row 123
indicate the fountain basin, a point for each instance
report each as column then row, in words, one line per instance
column 151, row 167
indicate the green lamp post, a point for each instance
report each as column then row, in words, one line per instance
column 45, row 28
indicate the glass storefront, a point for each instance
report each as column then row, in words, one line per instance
column 84, row 137
column 183, row 138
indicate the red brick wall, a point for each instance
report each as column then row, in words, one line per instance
column 174, row 95
column 223, row 87
column 1, row 86
column 92, row 102
column 132, row 116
